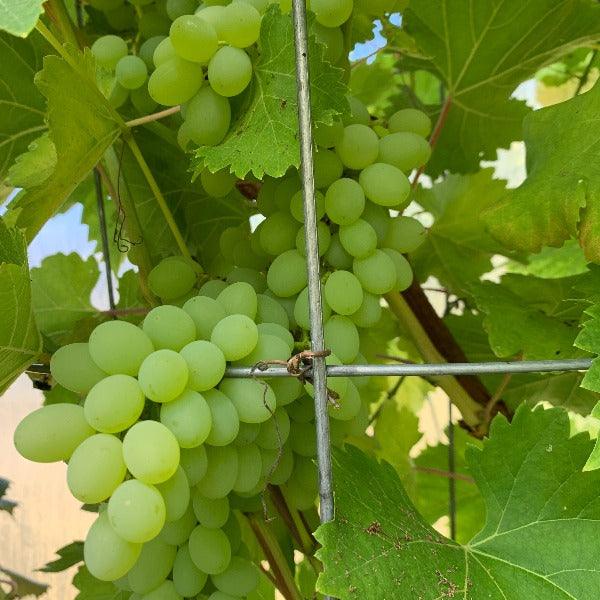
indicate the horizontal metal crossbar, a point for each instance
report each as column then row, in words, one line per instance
column 426, row 370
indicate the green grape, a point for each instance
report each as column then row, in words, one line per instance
column 278, row 233
column 73, row 368
column 121, row 18
column 343, row 292
column 278, row 331
column 268, row 348
column 303, row 439
column 193, row 38
column 287, row 274
column 288, row 306
column 211, row 513
column 225, row 419
column 265, row 200
column 344, row 201
column 339, row 385
column 215, row 15
column 118, row 95
column 359, row 113
column 336, row 255
column 147, row 49
column 332, row 13
column 171, row 278
column 348, row 406
column 327, row 136
column 131, row 72
column 118, row 347
column 341, row 336
column 187, row 578
column 385, row 185
column 206, row 365
column 188, row 418
column 297, row 205
column 239, row 579
column 136, row 511
column 153, row 23
column 178, row 532
column 221, row 473
column 369, row 312
column 239, row 299
column 299, row 496
column 219, row 184
column 254, row 400
column 206, row 313
column 405, row 234
column 174, row 82
column 233, row 531
column 153, row 566
column 108, row 50
column 183, row 138
column 169, row 327
column 208, row 117
column 376, row 273
column 163, row 52
column 286, row 389
column 251, row 276
column 52, row 433
column 404, row 274
column 358, row 147
column 274, row 432
column 302, row 410
column 378, row 218
column 404, row 150
column 301, row 309
column 176, row 495
column 286, row 188
column 210, row 550
column 165, row 591
column 194, row 462
column 270, row 311
column 358, row 239
column 151, row 452
column 236, row 336
column 327, row 168
column 333, row 40
column 212, row 289
column 240, row 25
column 230, row 71
column 277, row 465
column 163, row 375
column 323, row 237
column 107, row 556
column 247, row 434
column 250, row 468
column 96, row 468
column 260, row 5
column 410, row 119
column 178, row 8
column 142, row 101
column 244, row 256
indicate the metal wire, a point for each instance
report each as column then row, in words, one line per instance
column 312, row 259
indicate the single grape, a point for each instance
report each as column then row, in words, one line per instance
column 343, row 292
column 405, row 234
column 302, row 410
column 286, row 389
column 188, row 418
column 348, row 406
column 344, row 201
column 297, row 205
column 358, row 147
column 270, row 311
column 206, row 365
column 212, row 289
column 376, row 273
column 118, row 347
column 172, row 277
column 206, row 313
column 176, row 495
column 163, row 375
column 147, row 49
column 246, row 435
column 278, row 233
column 249, row 468
column 178, row 532
column 233, row 531
column 235, row 335
column 332, row 38
column 240, row 25
column 327, row 168
column 369, row 312
column 358, row 239
column 327, row 136
column 108, row 50
column 385, row 185
column 287, row 274
column 118, row 95
column 210, row 550
column 404, row 274
column 275, row 431
column 151, row 452
column 131, row 72
column 300, row 497
column 153, row 566
column 405, row 150
column 410, row 119
column 188, row 579
column 73, row 368
column 178, row 8
column 323, row 237
column 239, row 579
column 169, row 327
column 378, row 218
column 303, row 439
column 268, row 348
column 336, row 255
column 225, row 419
column 163, row 52
column 359, row 113
column 193, row 38
column 229, row 71
column 301, row 310
column 175, row 81
column 341, row 336
column 208, row 116
column 254, row 400
column 221, row 473
column 211, row 513
column 194, row 462
column 332, row 13
column 114, row 404
column 239, row 299
column 165, row 591
column 107, row 556
column 219, row 184
column 255, row 278
column 96, row 468
column 215, row 15
column 277, row 466
column 52, row 433
column 279, row 331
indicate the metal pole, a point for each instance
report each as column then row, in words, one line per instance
column 104, row 237
column 312, row 259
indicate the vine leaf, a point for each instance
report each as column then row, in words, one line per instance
column 559, row 198
column 82, row 126
column 19, row 17
column 20, row 341
column 21, row 104
column 589, row 340
column 91, row 588
column 540, row 538
column 482, row 50
column 33, row 167
column 264, row 133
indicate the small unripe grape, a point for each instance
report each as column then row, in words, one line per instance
column 131, row 72
column 358, row 147
column 193, row 38
column 229, row 71
column 376, row 272
column 343, row 292
column 405, row 150
column 236, row 336
column 207, row 117
column 327, row 168
column 410, row 119
column 344, row 201
column 385, row 185
column 332, row 13
column 241, row 24
column 163, row 51
column 175, row 81
column 148, row 48
column 108, row 50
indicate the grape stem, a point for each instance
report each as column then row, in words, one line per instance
column 153, row 117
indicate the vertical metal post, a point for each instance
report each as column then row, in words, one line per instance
column 312, row 258
column 104, row 237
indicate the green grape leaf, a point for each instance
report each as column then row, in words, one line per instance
column 61, row 291
column 68, row 556
column 264, row 132
column 482, row 51
column 589, row 340
column 82, row 125
column 559, row 198
column 540, row 538
column 21, row 104
column 458, row 250
column 91, row 588
column 20, row 340
column 34, row 166
column 19, row 17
